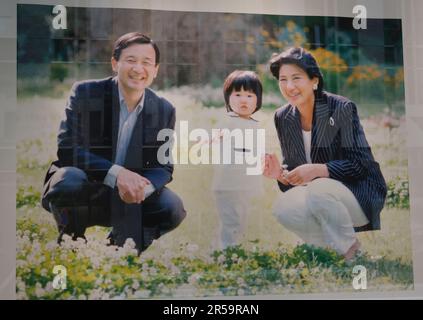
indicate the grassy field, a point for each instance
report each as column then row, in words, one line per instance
column 183, row 263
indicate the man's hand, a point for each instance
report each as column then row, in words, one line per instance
column 306, row 173
column 131, row 186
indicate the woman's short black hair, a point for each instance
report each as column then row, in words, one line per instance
column 248, row 80
column 301, row 58
column 131, row 38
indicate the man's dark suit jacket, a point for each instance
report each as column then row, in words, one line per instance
column 88, row 136
column 337, row 139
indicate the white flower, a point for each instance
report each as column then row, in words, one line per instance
column 20, row 285
column 21, row 295
column 105, row 296
column 194, row 278
column 39, row 291
column 153, row 271
column 95, row 261
column 96, row 294
column 107, row 267
column 80, row 243
column 20, row 263
column 129, row 244
column 49, row 287
column 240, row 281
column 123, row 263
column 174, row 269
column 31, row 259
column 135, row 285
column 51, row 245
column 99, row 281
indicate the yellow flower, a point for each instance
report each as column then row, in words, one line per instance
column 329, row 60
column 399, row 76
column 290, row 25
column 250, row 49
column 264, row 33
column 298, row 39
column 367, row 73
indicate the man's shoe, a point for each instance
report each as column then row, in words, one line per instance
column 69, row 221
column 111, row 239
column 149, row 235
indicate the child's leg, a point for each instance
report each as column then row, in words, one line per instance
column 231, row 212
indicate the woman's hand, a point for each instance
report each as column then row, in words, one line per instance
column 272, row 168
column 307, row 172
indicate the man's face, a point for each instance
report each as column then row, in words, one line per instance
column 136, row 67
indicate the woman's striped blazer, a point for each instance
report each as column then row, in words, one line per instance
column 338, row 140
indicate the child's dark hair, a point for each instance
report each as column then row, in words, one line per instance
column 248, row 80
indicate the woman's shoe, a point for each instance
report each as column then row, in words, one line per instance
column 353, row 251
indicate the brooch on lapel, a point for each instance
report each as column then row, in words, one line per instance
column 331, row 122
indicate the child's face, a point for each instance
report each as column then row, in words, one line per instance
column 243, row 103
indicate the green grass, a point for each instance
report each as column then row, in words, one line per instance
column 248, row 269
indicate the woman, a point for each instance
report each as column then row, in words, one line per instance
column 331, row 184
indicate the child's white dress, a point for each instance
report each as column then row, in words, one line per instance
column 233, row 187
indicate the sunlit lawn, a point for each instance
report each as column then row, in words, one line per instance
column 388, row 254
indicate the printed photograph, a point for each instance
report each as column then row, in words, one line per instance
column 176, row 154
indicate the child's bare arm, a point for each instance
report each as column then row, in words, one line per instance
column 214, row 139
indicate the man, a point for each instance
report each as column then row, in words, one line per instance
column 107, row 172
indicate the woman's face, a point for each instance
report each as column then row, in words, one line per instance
column 296, row 86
